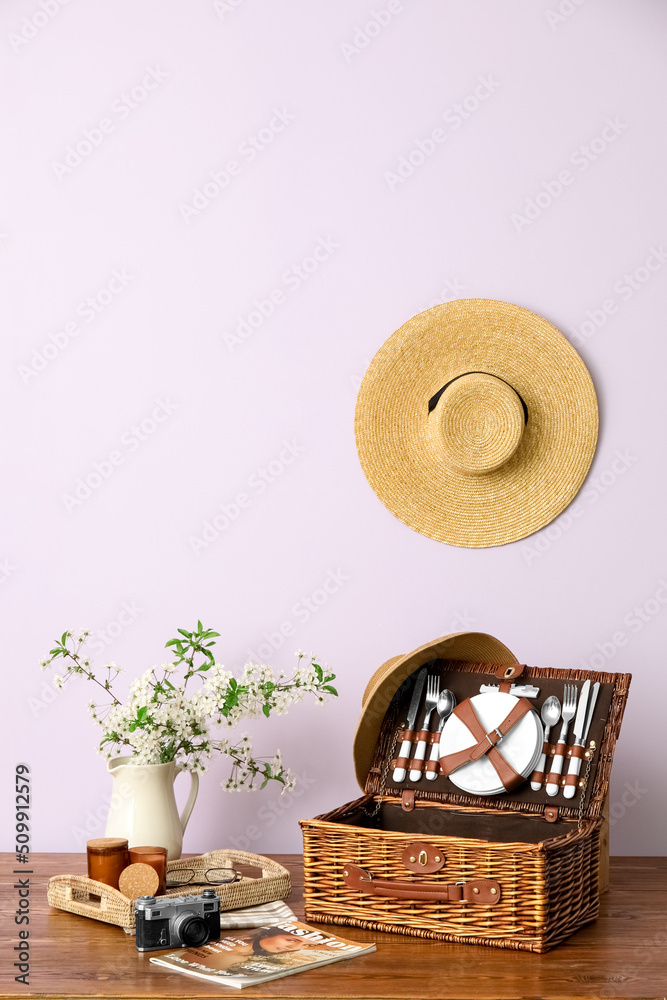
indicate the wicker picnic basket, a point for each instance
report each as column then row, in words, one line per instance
column 83, row 895
column 516, row 870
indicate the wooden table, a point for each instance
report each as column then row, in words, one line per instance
column 622, row 956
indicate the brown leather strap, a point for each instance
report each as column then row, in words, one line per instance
column 486, row 745
column 570, row 779
column 560, row 750
column 417, row 764
column 576, row 751
column 406, row 734
column 408, row 800
column 537, row 777
column 402, row 762
column 432, row 765
column 482, row 891
column 508, row 671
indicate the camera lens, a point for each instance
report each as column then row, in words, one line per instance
column 194, row 932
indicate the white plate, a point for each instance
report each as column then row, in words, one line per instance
column 521, row 747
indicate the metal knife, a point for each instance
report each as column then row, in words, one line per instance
column 581, row 726
column 406, row 746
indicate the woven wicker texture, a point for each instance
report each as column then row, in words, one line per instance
column 549, row 890
column 472, row 471
column 73, row 892
column 473, row 647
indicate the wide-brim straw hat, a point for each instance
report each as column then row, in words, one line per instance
column 469, row 647
column 476, row 422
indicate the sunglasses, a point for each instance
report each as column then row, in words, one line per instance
column 178, row 877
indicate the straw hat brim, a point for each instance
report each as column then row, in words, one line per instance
column 400, row 456
column 470, row 647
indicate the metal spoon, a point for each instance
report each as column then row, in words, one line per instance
column 550, row 716
column 446, row 705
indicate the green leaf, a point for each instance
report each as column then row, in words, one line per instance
column 64, row 638
column 330, row 689
column 200, row 627
column 172, row 642
column 267, row 710
column 318, row 671
column 188, row 635
column 214, row 634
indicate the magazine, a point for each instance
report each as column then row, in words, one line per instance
column 248, row 958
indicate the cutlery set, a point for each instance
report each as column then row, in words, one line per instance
column 581, row 711
column 445, row 703
column 577, row 705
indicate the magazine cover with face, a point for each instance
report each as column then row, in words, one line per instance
column 263, row 953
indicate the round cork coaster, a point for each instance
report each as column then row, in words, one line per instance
column 138, row 880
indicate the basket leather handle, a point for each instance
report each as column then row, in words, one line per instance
column 484, row 891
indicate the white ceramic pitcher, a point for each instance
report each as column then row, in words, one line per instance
column 143, row 806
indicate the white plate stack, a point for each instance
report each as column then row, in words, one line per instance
column 521, row 747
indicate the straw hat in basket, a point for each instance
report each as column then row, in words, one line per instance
column 469, row 647
column 476, row 423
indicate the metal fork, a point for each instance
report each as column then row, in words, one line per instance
column 569, row 709
column 432, row 692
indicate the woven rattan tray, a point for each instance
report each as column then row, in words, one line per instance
column 85, row 896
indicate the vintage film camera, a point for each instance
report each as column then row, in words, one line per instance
column 176, row 921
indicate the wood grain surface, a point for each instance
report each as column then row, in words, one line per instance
column 621, row 957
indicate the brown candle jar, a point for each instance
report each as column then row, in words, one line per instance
column 156, row 857
column 107, row 857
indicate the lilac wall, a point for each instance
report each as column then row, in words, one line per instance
column 343, row 103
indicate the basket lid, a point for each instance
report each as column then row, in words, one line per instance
column 465, row 661
column 471, row 647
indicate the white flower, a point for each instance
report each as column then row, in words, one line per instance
column 80, row 635
column 57, row 682
column 44, row 663
column 168, row 668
